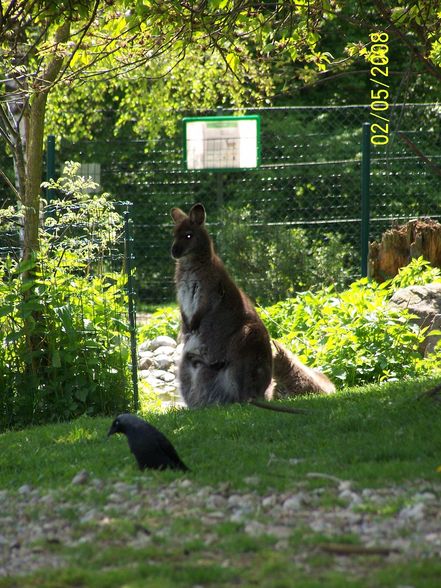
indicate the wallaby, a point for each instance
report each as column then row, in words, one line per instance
column 227, row 355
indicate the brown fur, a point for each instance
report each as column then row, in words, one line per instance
column 227, row 354
column 293, row 377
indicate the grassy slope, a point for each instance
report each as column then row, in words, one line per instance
column 374, row 436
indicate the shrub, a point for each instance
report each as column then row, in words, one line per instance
column 164, row 321
column 356, row 337
column 63, row 341
column 273, row 262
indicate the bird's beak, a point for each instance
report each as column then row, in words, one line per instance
column 112, row 431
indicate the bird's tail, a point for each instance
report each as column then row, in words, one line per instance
column 291, row 376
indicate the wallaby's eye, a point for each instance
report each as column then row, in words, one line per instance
column 188, row 235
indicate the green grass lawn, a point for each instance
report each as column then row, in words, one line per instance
column 376, row 437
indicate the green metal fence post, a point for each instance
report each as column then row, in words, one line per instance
column 365, row 181
column 50, row 163
column 132, row 315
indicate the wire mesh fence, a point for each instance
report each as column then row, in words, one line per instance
column 292, row 223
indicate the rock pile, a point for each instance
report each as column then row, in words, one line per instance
column 157, row 362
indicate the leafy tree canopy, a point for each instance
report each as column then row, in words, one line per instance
column 189, row 54
column 148, row 55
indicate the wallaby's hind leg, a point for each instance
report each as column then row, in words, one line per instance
column 203, row 385
column 243, row 375
column 249, row 368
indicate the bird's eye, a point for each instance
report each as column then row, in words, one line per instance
column 116, row 423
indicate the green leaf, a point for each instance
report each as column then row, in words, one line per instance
column 56, row 359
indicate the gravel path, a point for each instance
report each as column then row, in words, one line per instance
column 395, row 523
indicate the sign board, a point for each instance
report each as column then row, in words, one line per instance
column 222, row 142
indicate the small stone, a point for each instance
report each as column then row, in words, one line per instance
column 238, row 516
column 121, row 487
column 114, row 497
column 368, row 493
column 318, row 526
column 185, row 483
column 163, row 362
column 217, row 514
column 235, row 500
column 47, row 499
column 350, row 497
column 152, row 380
column 269, row 501
column 279, row 531
column 25, row 489
column 145, row 363
column 255, row 529
column 425, row 497
column 145, row 346
column 162, row 341
column 169, row 390
column 433, row 538
column 414, row 512
column 344, row 486
column 90, row 515
column 98, row 484
column 164, row 350
column 252, row 480
column 80, row 478
column 216, row 501
column 293, row 502
column 166, row 377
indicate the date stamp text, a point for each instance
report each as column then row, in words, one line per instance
column 379, row 76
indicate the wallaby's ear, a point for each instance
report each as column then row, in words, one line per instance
column 197, row 214
column 178, row 215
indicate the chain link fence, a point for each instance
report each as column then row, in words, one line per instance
column 294, row 222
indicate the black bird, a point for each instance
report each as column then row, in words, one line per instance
column 151, row 448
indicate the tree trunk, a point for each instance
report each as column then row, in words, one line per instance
column 30, row 157
column 401, row 244
column 34, row 148
column 34, row 169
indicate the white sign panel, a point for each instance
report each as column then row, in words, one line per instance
column 222, row 142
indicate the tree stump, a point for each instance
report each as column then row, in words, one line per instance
column 400, row 244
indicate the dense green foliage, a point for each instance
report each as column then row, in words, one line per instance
column 164, row 321
column 356, row 336
column 275, row 262
column 64, row 339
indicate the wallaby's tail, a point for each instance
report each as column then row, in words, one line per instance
column 293, row 377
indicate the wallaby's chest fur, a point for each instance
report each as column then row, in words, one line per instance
column 199, row 291
column 189, row 292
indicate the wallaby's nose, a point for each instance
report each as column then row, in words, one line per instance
column 176, row 251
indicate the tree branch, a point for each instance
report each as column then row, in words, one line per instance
column 10, row 184
column 384, row 11
column 435, row 168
